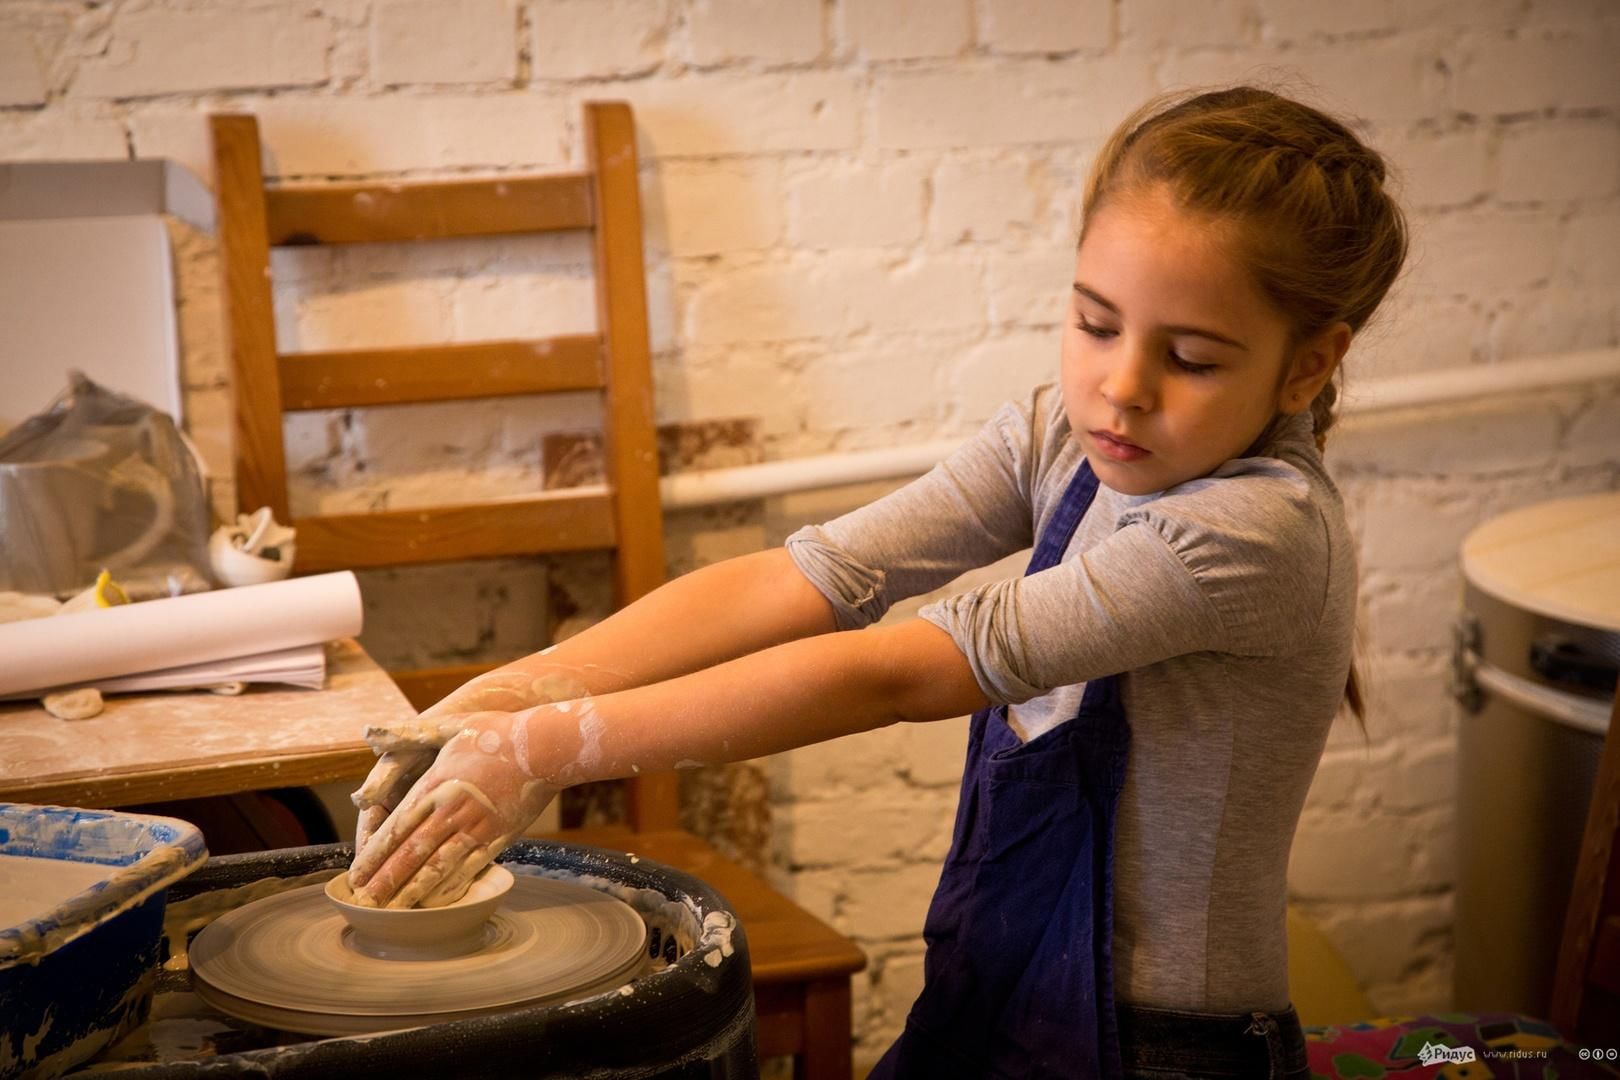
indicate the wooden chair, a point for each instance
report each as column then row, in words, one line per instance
column 1585, row 1007
column 1586, row 986
column 801, row 966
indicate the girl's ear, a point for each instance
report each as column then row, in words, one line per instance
column 1313, row 364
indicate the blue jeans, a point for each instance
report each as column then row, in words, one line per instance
column 1169, row 1044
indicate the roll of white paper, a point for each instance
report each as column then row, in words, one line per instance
column 66, row 649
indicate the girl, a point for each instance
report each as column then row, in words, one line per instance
column 1150, row 699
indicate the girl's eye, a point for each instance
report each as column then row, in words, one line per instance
column 1184, row 364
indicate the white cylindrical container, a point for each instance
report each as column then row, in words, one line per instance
column 1537, row 650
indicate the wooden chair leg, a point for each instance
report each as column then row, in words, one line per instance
column 827, row 1043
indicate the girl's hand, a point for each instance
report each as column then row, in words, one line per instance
column 477, row 796
column 405, row 751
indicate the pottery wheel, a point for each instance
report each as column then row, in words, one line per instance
column 289, row 962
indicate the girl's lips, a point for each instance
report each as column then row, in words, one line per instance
column 1115, row 449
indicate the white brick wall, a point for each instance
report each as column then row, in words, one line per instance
column 860, row 225
column 431, row 41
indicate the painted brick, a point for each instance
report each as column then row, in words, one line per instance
column 980, row 200
column 584, row 39
column 1555, row 162
column 1411, row 333
column 853, row 763
column 1428, row 989
column 1340, row 859
column 711, row 115
column 1408, row 698
column 1592, row 436
column 899, row 984
column 179, row 133
column 1031, row 288
column 726, row 383
column 889, row 903
column 1418, row 612
column 431, row 41
column 1300, row 20
column 397, row 133
column 208, row 421
column 845, row 204
column 1389, row 539
column 926, row 295
column 1380, row 940
column 283, row 47
column 1343, row 778
column 514, row 304
column 1550, row 321
column 1048, row 26
column 1007, row 104
column 1408, row 87
column 59, row 135
column 709, row 208
column 22, row 74
column 932, row 754
column 374, row 314
column 1590, row 256
column 1425, row 776
column 772, row 31
column 1499, row 75
column 1481, row 252
column 1005, row 367
column 1473, row 439
column 1153, row 24
column 1467, row 14
column 501, row 603
column 871, row 386
column 1438, row 170
column 860, row 830
column 838, row 295
column 907, row 29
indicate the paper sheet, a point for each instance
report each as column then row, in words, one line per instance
column 66, row 650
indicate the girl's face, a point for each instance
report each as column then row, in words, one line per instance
column 1170, row 347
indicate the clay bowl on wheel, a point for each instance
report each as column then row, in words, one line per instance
column 423, row 933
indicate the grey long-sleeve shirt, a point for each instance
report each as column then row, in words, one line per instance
column 1227, row 606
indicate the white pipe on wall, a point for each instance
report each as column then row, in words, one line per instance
column 712, row 486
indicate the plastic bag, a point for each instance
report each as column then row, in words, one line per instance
column 101, row 481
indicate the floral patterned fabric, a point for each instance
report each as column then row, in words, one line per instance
column 1455, row 1046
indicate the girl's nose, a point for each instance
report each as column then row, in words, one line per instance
column 1129, row 382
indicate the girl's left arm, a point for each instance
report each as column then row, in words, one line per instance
column 490, row 782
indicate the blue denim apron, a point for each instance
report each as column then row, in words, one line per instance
column 1018, row 976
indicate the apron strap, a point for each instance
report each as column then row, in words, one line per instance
column 1065, row 519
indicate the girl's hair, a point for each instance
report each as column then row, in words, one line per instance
column 1303, row 199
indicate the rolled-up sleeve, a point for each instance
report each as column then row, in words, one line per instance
column 1235, row 566
column 968, row 511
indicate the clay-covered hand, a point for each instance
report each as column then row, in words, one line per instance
column 404, row 751
column 475, row 798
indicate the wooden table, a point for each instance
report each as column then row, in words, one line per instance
column 801, row 966
column 158, row 747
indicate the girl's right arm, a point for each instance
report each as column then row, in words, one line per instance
column 711, row 615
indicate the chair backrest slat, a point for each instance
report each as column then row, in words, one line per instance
column 374, row 213
column 578, row 519
column 356, row 377
column 1586, row 984
column 630, row 447
column 260, row 455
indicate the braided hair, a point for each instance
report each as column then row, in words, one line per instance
column 1305, row 197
